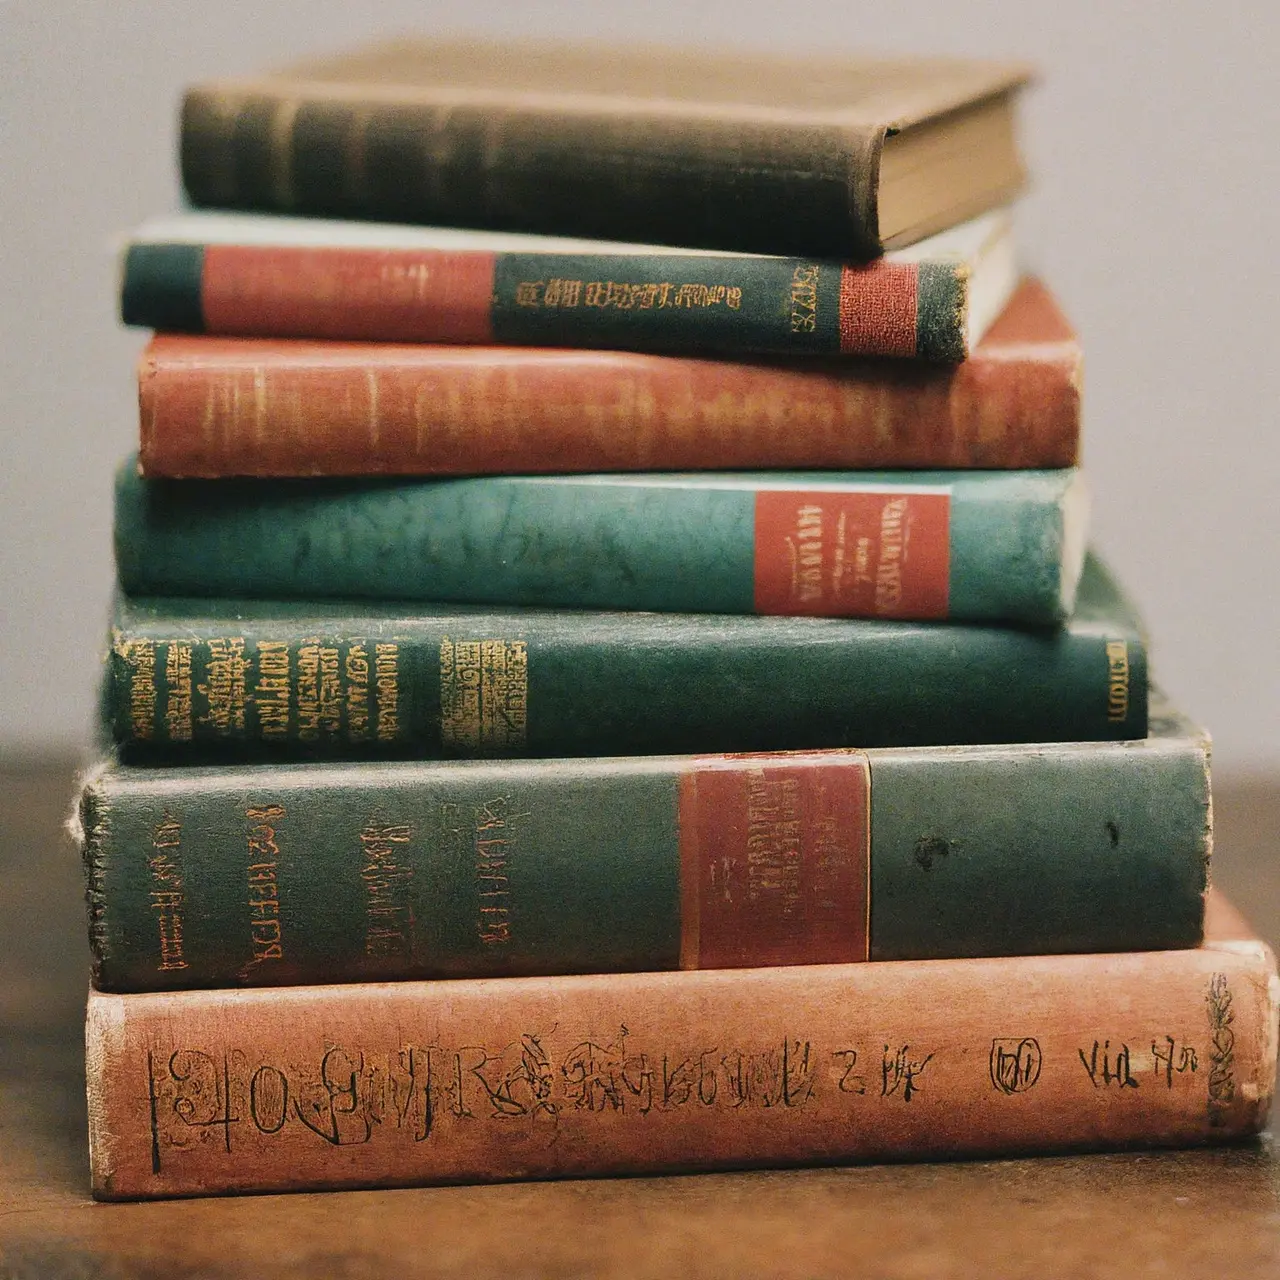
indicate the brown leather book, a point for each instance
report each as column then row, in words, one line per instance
column 213, row 407
column 829, row 157
column 395, row 1084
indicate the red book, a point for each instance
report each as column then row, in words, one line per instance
column 213, row 407
column 475, row 1080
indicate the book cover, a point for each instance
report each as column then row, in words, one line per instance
column 272, row 874
column 403, row 1083
column 263, row 276
column 810, row 157
column 185, row 677
column 975, row 546
column 210, row 408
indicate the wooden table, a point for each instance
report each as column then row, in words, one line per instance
column 1213, row 1213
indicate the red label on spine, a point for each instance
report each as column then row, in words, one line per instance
column 380, row 295
column 878, row 306
column 835, row 553
column 775, row 860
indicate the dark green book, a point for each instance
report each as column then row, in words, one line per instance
column 977, row 546
column 265, row 874
column 238, row 677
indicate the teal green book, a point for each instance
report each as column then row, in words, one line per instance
column 969, row 546
column 266, row 874
column 185, row 677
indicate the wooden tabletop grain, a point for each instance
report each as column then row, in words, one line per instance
column 1211, row 1213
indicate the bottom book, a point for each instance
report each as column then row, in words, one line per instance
column 396, row 1084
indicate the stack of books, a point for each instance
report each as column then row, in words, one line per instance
column 584, row 706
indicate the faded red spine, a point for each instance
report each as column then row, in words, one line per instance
column 383, row 295
column 878, row 306
column 240, row 406
column 775, row 860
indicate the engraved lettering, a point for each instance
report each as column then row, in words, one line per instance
column 1106, row 1068
column 140, row 658
column 167, row 898
column 898, row 1070
column 356, row 668
column 1168, row 1059
column 1015, row 1064
column 177, row 677
column 265, row 935
column 387, row 878
column 529, row 293
column 386, row 670
column 271, row 691
column 484, row 696
column 892, row 547
column 804, row 298
column 1117, row 680
column 224, row 689
column 848, row 1082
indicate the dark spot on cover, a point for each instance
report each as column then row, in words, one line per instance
column 930, row 847
column 1113, row 834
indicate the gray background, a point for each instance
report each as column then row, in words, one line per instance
column 1153, row 138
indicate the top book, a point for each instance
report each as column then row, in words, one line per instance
column 837, row 158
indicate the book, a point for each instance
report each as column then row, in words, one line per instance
column 271, row 874
column 977, row 545
column 809, row 157
column 211, row 408
column 474, row 1080
column 304, row 678
column 265, row 276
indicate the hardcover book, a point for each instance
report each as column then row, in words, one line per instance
column 306, row 278
column 211, row 408
column 252, row 875
column 305, row 678
column 811, row 157
column 475, row 1080
column 976, row 546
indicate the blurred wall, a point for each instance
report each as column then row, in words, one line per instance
column 1153, row 140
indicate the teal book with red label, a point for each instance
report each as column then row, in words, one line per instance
column 268, row 874
column 303, row 678
column 980, row 546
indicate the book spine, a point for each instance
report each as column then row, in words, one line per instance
column 471, row 1081
column 450, row 411
column 253, row 876
column 656, row 180
column 673, row 302
column 989, row 546
column 582, row 684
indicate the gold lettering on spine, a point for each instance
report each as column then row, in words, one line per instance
column 494, row 844
column 804, row 298
column 622, row 295
column 271, row 693
column 224, row 691
column 892, row 547
column 319, row 691
column 387, row 880
column 806, row 554
column 1117, row 680
column 356, row 668
column 773, row 840
column 140, row 657
column 484, row 696
column 177, row 676
column 167, row 899
column 386, row 675
column 263, row 885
